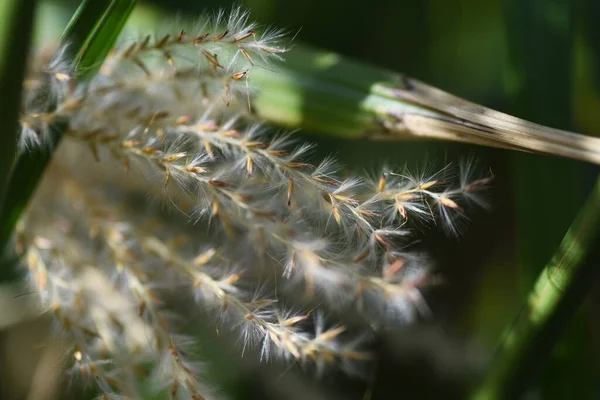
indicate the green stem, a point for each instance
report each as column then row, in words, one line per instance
column 104, row 25
column 324, row 92
column 16, row 25
column 558, row 292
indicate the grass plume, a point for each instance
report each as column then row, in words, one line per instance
column 168, row 115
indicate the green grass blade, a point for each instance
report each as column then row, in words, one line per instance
column 105, row 24
column 558, row 292
column 104, row 36
column 82, row 23
column 16, row 25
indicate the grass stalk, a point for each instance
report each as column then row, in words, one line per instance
column 16, row 25
column 558, row 292
column 324, row 92
column 104, row 20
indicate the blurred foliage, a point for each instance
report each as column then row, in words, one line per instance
column 536, row 59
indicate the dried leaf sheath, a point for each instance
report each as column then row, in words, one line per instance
column 447, row 117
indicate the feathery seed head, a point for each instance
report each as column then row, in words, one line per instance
column 166, row 117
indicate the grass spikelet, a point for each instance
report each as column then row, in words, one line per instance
column 164, row 117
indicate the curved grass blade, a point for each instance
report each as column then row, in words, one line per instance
column 83, row 22
column 16, row 26
column 105, row 26
column 103, row 37
column 558, row 293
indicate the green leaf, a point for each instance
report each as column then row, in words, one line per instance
column 104, row 24
column 82, row 24
column 103, row 37
column 16, row 23
column 556, row 296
